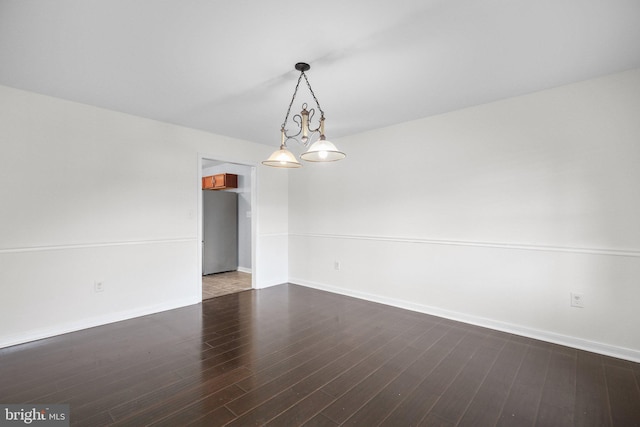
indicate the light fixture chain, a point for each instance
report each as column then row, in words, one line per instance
column 319, row 151
column 286, row 118
column 312, row 94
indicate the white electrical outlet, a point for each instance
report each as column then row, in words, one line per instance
column 98, row 286
column 336, row 265
column 577, row 300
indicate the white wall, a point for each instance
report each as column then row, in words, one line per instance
column 94, row 195
column 491, row 215
column 244, row 208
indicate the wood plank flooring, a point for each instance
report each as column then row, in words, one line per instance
column 288, row 356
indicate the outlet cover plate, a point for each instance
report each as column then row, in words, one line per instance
column 98, row 286
column 577, row 300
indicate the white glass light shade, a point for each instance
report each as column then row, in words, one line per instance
column 282, row 158
column 322, row 151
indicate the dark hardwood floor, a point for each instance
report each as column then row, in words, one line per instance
column 289, row 355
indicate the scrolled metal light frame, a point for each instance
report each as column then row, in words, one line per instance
column 320, row 150
column 306, row 116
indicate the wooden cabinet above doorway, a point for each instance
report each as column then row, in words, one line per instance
column 221, row 181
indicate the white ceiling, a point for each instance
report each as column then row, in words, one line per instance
column 227, row 66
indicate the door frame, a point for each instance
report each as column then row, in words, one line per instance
column 254, row 211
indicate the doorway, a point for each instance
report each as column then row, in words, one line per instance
column 238, row 275
column 230, row 282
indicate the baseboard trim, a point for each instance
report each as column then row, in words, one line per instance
column 244, row 270
column 39, row 334
column 269, row 283
column 552, row 337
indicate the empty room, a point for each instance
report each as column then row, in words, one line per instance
column 413, row 213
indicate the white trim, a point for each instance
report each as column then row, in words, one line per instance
column 97, row 245
column 244, row 270
column 283, row 234
column 65, row 328
column 268, row 283
column 592, row 346
column 254, row 207
column 254, row 223
column 593, row 251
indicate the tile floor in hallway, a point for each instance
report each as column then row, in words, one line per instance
column 215, row 285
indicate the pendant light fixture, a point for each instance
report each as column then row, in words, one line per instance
column 319, row 151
